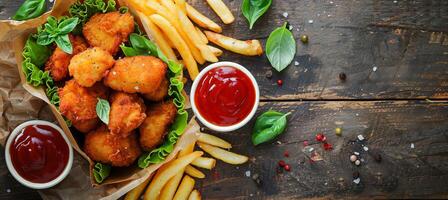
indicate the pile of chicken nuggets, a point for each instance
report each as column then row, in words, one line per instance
column 136, row 87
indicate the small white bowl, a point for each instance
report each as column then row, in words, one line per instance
column 13, row 171
column 234, row 126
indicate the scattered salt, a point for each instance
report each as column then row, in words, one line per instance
column 296, row 63
column 8, row 190
column 356, row 153
column 374, row 68
column 310, row 21
column 247, row 173
column 331, row 2
column 285, row 14
column 395, row 1
column 366, row 148
column 412, row 145
column 360, row 137
column 290, row 27
column 357, row 180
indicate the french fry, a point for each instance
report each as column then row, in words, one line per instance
column 221, row 10
column 202, row 35
column 193, row 35
column 139, row 5
column 182, row 5
column 204, row 162
column 213, row 140
column 194, row 195
column 201, row 20
column 170, row 187
column 221, row 154
column 190, row 170
column 180, row 44
column 172, row 17
column 216, row 51
column 185, row 188
column 135, row 193
column 187, row 150
column 248, row 47
column 169, row 171
column 158, row 36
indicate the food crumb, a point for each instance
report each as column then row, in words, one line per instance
column 285, row 14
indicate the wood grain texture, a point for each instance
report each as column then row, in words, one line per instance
column 389, row 128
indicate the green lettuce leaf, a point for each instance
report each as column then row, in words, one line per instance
column 140, row 45
column 101, row 172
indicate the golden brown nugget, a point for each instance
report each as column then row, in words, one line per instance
column 142, row 74
column 159, row 117
column 108, row 30
column 160, row 93
column 58, row 62
column 78, row 104
column 127, row 112
column 90, row 66
column 101, row 146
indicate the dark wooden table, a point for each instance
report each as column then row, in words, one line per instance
column 395, row 57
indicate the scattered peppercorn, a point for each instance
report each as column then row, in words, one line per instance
column 281, row 163
column 338, row 131
column 304, row 38
column 355, row 174
column 286, row 154
column 353, row 158
column 357, row 162
column 287, row 168
column 280, row 82
column 257, row 179
column 305, row 143
column 377, row 157
column 328, row 146
column 342, row 76
column 321, row 137
column 268, row 74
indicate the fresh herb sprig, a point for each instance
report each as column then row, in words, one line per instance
column 254, row 9
column 57, row 31
column 268, row 126
column 280, row 48
column 30, row 9
column 103, row 110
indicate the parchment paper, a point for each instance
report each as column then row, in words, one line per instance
column 21, row 102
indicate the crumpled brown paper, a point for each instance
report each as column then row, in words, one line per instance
column 22, row 102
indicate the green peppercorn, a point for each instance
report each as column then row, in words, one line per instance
column 304, row 38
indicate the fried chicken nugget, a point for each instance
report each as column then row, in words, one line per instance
column 159, row 118
column 90, row 66
column 101, row 146
column 108, row 30
column 78, row 104
column 127, row 112
column 58, row 62
column 142, row 74
column 160, row 93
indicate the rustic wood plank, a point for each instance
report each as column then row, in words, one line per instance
column 389, row 128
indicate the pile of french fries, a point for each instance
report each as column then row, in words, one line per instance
column 169, row 24
column 175, row 179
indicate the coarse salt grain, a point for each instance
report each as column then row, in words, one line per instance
column 357, row 180
column 247, row 173
column 285, row 14
column 114, row 73
column 136, row 88
column 8, row 190
column 360, row 138
column 296, row 63
column 310, row 21
column 366, row 148
column 374, row 68
column 356, row 153
column 412, row 145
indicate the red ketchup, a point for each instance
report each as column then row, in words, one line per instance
column 39, row 153
column 225, row 96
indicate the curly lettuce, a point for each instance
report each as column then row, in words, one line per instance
column 140, row 45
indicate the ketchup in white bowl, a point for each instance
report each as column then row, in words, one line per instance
column 224, row 96
column 38, row 154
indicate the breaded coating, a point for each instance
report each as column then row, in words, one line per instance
column 90, row 66
column 160, row 93
column 127, row 112
column 158, row 120
column 108, row 30
column 142, row 74
column 78, row 104
column 101, row 146
column 58, row 62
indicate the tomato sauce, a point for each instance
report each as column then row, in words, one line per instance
column 39, row 153
column 225, row 96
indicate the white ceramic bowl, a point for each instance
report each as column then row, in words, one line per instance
column 234, row 126
column 13, row 171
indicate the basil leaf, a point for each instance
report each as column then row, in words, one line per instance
column 67, row 26
column 63, row 42
column 254, row 9
column 30, row 9
column 280, row 48
column 37, row 53
column 102, row 110
column 101, row 172
column 44, row 38
column 268, row 126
